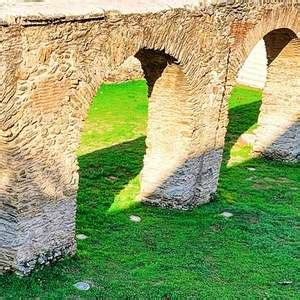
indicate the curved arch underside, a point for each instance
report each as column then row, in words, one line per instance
column 51, row 68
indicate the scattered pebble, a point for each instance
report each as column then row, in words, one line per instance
column 82, row 286
column 251, row 169
column 135, row 219
column 226, row 214
column 81, row 237
column 285, row 282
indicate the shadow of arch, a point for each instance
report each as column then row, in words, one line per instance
column 104, row 173
column 241, row 119
column 116, row 166
column 124, row 162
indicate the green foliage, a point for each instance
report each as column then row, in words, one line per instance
column 171, row 254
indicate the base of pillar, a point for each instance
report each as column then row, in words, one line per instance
column 176, row 203
column 23, row 268
column 44, row 236
column 192, row 184
column 277, row 155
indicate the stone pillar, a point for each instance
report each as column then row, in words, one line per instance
column 38, row 170
column 278, row 134
column 166, row 178
column 186, row 127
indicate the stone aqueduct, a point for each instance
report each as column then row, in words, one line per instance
column 52, row 66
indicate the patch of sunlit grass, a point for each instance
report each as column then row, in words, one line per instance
column 128, row 197
column 239, row 154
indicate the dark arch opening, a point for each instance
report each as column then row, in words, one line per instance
column 153, row 63
column 276, row 41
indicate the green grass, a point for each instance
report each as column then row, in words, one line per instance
column 173, row 254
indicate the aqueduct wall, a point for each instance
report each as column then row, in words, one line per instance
column 51, row 67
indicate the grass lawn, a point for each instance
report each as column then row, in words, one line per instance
column 172, row 254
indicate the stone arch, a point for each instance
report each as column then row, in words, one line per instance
column 169, row 128
column 59, row 69
column 182, row 161
column 277, row 135
column 254, row 70
column 245, row 39
column 194, row 82
column 278, row 132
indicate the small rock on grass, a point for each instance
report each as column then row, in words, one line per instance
column 82, row 286
column 251, row 169
column 226, row 214
column 81, row 236
column 136, row 219
column 112, row 178
column 285, row 282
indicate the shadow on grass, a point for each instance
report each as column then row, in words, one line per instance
column 106, row 172
column 109, row 177
column 148, row 259
column 241, row 119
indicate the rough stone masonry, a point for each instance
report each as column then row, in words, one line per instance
column 52, row 61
